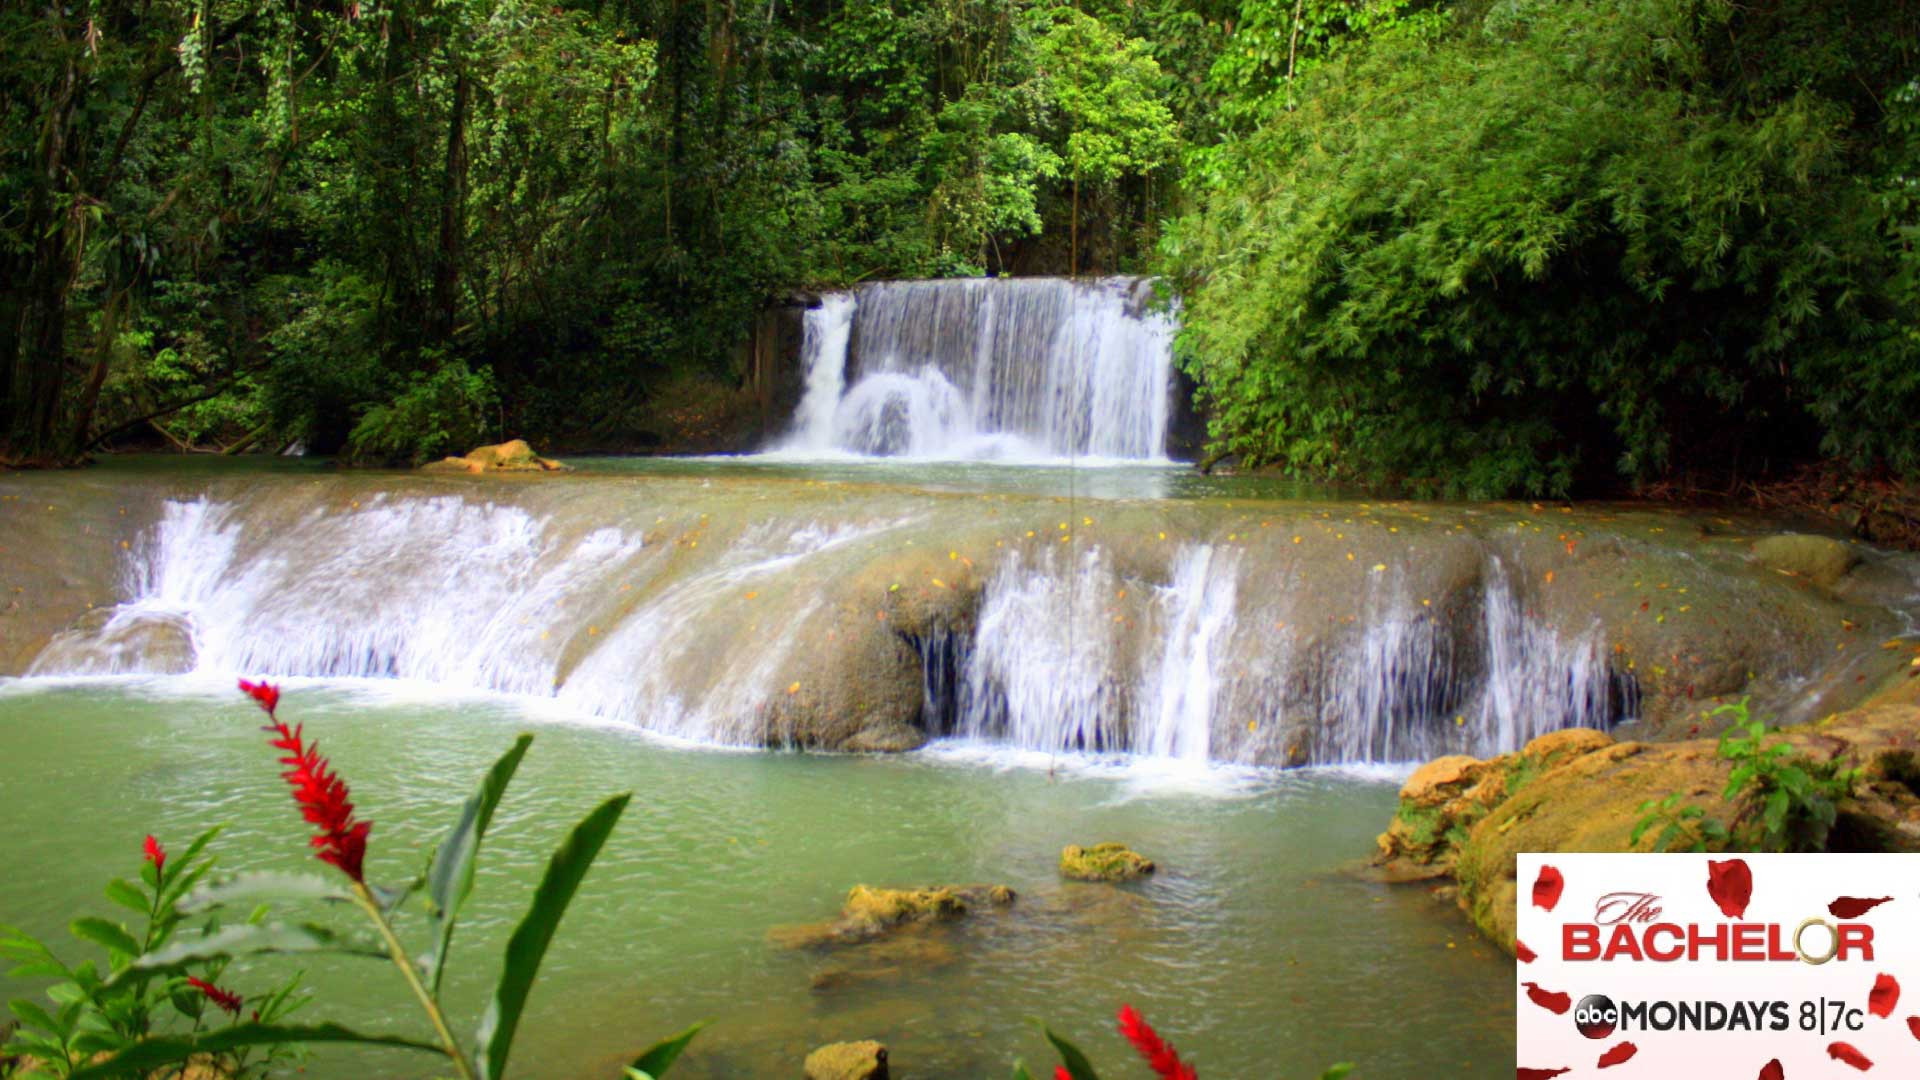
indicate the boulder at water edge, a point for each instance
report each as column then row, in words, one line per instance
column 511, row 456
column 1820, row 559
column 1103, row 862
column 864, row 1060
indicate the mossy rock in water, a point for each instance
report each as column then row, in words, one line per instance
column 864, row 1060
column 1820, row 559
column 513, row 455
column 1103, row 862
column 871, row 912
column 884, row 908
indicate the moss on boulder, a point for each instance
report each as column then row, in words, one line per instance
column 1820, row 559
column 513, row 455
column 1103, row 862
column 870, row 912
column 1580, row 790
column 864, row 1060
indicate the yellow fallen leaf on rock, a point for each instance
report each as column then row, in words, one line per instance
column 794, row 689
column 1377, row 567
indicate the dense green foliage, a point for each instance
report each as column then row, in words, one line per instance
column 1480, row 246
column 1559, row 239
column 399, row 227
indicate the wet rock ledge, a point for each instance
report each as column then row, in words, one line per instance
column 1461, row 820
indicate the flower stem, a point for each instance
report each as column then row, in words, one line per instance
column 404, row 962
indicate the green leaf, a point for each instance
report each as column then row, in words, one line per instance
column 450, row 879
column 245, row 939
column 1336, row 1072
column 178, row 883
column 108, row 936
column 256, row 887
column 1020, row 1071
column 33, row 1016
column 148, row 1054
column 661, row 1055
column 1078, row 1067
column 528, row 946
column 128, row 895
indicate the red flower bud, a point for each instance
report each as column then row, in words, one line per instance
column 156, row 854
column 1162, row 1058
column 226, row 999
column 267, row 694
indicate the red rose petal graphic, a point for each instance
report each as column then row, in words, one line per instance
column 1730, row 883
column 1552, row 1001
column 1772, row 1071
column 1618, row 1055
column 1546, row 888
column 1525, row 955
column 1913, row 1025
column 1842, row 1052
column 1539, row 1074
column 1883, row 997
column 1852, row 907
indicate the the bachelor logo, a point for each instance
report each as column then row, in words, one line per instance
column 1628, row 926
column 1598, row 1017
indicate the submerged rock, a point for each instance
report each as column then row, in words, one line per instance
column 870, row 912
column 1103, row 862
column 1820, row 559
column 864, row 1060
column 511, row 456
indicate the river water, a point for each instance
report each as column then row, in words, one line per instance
column 969, row 545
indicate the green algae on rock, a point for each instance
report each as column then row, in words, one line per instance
column 870, row 912
column 513, row 455
column 1103, row 862
column 864, row 1060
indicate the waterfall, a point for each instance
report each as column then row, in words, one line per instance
column 1023, row 369
column 1059, row 663
column 1193, row 649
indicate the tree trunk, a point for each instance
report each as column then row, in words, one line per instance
column 39, row 360
column 1073, row 232
column 453, row 214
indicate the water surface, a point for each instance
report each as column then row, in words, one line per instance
column 1253, row 945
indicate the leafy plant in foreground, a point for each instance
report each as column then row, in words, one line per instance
column 1782, row 800
column 105, row 1012
column 104, row 1024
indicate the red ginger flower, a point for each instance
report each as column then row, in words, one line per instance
column 321, row 794
column 1162, row 1058
column 156, row 854
column 267, row 694
column 1060, row 1073
column 226, row 999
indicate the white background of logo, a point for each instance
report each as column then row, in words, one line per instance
column 1787, row 889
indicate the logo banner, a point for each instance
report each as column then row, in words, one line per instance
column 1774, row 967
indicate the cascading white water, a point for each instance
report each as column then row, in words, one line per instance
column 1412, row 689
column 1017, row 369
column 1058, row 663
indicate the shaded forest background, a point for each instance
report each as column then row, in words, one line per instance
column 1484, row 247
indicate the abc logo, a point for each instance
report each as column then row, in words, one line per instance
column 1596, row 1017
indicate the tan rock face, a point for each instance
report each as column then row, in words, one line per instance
column 1582, row 791
column 864, row 1060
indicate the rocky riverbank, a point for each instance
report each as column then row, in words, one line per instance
column 1461, row 820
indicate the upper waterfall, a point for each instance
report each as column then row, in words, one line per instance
column 1020, row 369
